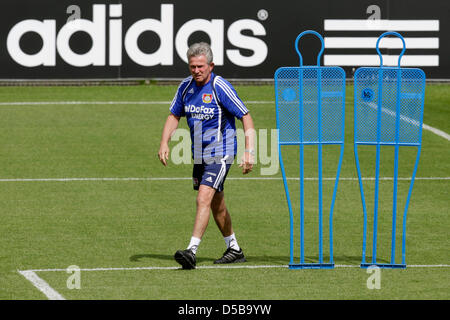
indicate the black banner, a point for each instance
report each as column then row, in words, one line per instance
column 94, row 39
column 221, row 309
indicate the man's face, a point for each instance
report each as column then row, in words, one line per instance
column 200, row 69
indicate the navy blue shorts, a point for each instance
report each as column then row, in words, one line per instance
column 212, row 174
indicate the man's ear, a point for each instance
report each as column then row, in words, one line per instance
column 211, row 65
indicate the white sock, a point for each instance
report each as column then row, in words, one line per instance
column 193, row 245
column 231, row 242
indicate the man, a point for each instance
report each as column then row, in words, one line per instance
column 210, row 105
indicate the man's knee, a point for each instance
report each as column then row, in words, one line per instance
column 205, row 196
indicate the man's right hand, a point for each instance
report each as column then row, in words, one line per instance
column 169, row 127
column 163, row 154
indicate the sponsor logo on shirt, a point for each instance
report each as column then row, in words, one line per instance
column 201, row 113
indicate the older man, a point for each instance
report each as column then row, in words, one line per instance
column 210, row 105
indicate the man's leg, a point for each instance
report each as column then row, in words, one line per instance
column 221, row 214
column 223, row 221
column 204, row 198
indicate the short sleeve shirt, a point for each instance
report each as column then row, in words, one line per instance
column 210, row 111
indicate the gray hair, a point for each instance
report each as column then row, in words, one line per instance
column 201, row 48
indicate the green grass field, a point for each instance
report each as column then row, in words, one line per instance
column 123, row 232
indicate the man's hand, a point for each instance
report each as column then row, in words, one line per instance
column 169, row 128
column 249, row 154
column 163, row 154
column 247, row 162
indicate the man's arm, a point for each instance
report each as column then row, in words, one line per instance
column 249, row 153
column 169, row 128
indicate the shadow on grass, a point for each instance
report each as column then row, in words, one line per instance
column 263, row 260
column 250, row 259
column 168, row 257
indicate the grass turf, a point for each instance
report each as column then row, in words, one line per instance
column 128, row 224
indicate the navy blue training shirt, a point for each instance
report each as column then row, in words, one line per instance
column 210, row 111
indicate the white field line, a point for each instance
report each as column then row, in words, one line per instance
column 42, row 285
column 52, row 294
column 43, row 103
column 229, row 178
column 236, row 266
column 436, row 131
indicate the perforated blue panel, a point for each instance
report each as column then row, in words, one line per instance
column 383, row 88
column 298, row 91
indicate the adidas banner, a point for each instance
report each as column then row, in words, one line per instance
column 95, row 39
